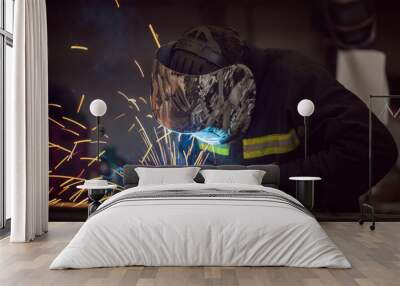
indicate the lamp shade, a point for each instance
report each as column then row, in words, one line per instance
column 98, row 107
column 305, row 107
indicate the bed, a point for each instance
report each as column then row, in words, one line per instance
column 197, row 224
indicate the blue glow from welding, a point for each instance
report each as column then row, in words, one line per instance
column 211, row 135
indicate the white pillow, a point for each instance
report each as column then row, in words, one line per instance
column 166, row 176
column 248, row 177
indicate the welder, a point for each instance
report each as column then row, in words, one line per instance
column 240, row 102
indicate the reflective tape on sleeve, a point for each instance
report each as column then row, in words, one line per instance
column 270, row 145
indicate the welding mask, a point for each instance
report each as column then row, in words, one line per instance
column 215, row 107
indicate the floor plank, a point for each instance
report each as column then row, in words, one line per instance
column 375, row 257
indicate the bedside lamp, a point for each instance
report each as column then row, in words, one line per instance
column 98, row 108
column 305, row 108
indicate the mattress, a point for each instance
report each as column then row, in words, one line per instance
column 201, row 225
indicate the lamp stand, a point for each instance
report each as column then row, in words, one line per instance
column 305, row 193
column 98, row 138
column 305, row 136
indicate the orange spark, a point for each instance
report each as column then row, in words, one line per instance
column 64, row 177
column 83, row 141
column 52, row 145
column 62, row 191
column 130, row 100
column 147, row 152
column 155, row 36
column 80, row 103
column 71, row 131
column 142, row 99
column 97, row 158
column 75, row 122
column 72, row 184
column 79, row 47
column 68, row 181
column 56, row 122
column 139, row 67
column 60, row 163
column 55, row 105
column 119, row 116
column 162, row 137
column 77, row 194
column 132, row 126
column 54, row 202
column 87, row 158
column 81, row 173
column 81, row 202
column 72, row 152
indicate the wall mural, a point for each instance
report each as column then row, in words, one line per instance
column 105, row 49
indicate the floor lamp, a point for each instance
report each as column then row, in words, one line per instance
column 98, row 108
column 305, row 184
column 305, row 108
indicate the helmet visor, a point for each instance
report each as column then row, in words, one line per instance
column 220, row 102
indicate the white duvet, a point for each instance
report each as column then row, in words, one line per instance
column 200, row 231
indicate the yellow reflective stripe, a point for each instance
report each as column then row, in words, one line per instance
column 270, row 145
column 221, row 149
column 269, row 138
column 268, row 151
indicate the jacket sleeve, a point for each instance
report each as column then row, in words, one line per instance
column 338, row 140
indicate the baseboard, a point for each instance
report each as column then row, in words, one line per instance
column 323, row 216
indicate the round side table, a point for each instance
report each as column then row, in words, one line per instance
column 95, row 194
column 305, row 190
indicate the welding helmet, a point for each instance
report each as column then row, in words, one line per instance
column 196, row 90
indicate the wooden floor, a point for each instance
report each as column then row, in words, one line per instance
column 375, row 257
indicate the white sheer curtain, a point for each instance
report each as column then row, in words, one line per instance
column 27, row 124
